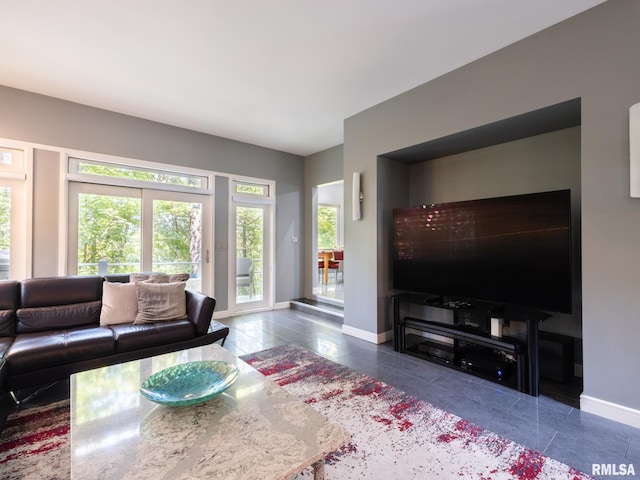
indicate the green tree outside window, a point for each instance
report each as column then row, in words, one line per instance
column 327, row 227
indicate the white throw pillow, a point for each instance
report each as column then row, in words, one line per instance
column 119, row 303
column 158, row 302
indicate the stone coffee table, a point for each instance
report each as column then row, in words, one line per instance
column 255, row 430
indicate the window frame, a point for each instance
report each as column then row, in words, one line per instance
column 19, row 178
column 72, row 159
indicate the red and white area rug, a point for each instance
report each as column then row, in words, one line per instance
column 395, row 435
column 34, row 443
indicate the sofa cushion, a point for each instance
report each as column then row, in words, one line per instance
column 5, row 343
column 7, row 323
column 46, row 292
column 130, row 337
column 9, row 295
column 158, row 302
column 119, row 303
column 3, row 370
column 40, row 319
column 34, row 351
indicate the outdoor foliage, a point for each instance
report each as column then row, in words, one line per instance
column 249, row 240
column 176, row 236
column 327, row 227
column 5, row 218
column 108, row 228
column 138, row 174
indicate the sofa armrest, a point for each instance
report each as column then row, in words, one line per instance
column 200, row 310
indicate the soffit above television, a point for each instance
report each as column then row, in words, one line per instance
column 545, row 120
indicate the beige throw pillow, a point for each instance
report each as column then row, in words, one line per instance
column 158, row 302
column 119, row 303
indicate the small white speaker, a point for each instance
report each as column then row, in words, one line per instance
column 496, row 327
column 634, row 149
column 356, row 197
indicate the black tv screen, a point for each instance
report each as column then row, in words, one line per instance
column 511, row 250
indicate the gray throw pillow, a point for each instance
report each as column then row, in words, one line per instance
column 159, row 302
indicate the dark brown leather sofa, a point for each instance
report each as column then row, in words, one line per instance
column 50, row 328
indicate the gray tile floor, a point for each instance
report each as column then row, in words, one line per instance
column 573, row 437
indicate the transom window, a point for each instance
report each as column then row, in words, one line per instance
column 247, row 188
column 116, row 173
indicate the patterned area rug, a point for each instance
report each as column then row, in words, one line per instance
column 34, row 443
column 395, row 435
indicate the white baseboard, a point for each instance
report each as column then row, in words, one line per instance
column 227, row 313
column 612, row 411
column 376, row 338
column 221, row 314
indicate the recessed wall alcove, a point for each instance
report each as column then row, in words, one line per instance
column 544, row 120
column 532, row 152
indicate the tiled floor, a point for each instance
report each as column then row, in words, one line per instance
column 555, row 429
column 332, row 290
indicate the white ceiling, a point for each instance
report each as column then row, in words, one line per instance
column 283, row 74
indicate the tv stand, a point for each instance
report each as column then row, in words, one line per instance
column 470, row 347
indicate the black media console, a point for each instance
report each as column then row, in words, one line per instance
column 468, row 344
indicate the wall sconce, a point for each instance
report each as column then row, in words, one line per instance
column 634, row 149
column 357, row 197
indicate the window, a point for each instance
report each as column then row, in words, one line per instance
column 126, row 218
column 115, row 173
column 14, row 212
column 252, row 213
column 328, row 227
column 252, row 188
column 5, row 231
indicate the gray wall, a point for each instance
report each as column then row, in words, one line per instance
column 221, row 243
column 593, row 56
column 46, row 166
column 39, row 119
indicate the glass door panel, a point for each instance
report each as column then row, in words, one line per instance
column 177, row 239
column 105, row 230
column 250, row 264
column 5, row 232
column 125, row 230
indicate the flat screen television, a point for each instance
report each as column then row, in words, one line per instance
column 512, row 250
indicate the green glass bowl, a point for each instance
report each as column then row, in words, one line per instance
column 189, row 383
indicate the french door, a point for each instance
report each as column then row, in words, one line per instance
column 123, row 229
column 252, row 264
